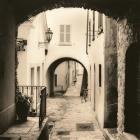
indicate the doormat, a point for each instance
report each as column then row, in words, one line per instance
column 63, row 133
column 85, row 127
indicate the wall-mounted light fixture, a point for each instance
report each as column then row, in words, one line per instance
column 48, row 37
column 48, row 34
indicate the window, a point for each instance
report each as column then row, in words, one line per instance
column 32, row 76
column 38, row 76
column 32, row 80
column 55, row 80
column 100, row 75
column 65, row 36
column 61, row 33
column 100, row 23
column 93, row 32
column 42, row 72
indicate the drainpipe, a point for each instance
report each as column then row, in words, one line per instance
column 75, row 70
column 87, row 32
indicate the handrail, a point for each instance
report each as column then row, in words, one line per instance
column 42, row 113
column 39, row 96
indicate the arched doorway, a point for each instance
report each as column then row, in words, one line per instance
column 52, row 68
column 132, row 90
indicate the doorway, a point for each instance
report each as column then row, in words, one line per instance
column 132, row 90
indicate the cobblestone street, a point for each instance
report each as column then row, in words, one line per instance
column 72, row 119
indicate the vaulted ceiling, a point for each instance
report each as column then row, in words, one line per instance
column 115, row 8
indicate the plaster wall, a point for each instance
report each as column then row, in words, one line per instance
column 7, row 66
column 62, row 75
column 23, row 33
column 77, row 24
column 34, row 56
column 96, row 57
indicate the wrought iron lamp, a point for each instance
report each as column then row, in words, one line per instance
column 49, row 34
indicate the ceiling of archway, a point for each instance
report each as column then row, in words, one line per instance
column 114, row 8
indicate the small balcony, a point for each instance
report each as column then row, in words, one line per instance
column 20, row 44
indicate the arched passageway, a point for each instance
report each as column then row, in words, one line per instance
column 14, row 12
column 132, row 91
column 52, row 68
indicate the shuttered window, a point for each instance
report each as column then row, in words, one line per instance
column 61, row 33
column 65, row 34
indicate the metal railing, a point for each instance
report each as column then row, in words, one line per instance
column 34, row 92
column 42, row 113
column 38, row 95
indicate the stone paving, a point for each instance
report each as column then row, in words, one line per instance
column 66, row 112
column 24, row 131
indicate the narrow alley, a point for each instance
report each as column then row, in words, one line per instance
column 71, row 118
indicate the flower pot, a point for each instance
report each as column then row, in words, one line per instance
column 22, row 110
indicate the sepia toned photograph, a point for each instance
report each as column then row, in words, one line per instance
column 69, row 70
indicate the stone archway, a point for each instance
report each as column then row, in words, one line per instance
column 116, row 8
column 15, row 12
column 51, row 69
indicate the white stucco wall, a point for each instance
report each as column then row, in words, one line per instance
column 23, row 32
column 34, row 56
column 96, row 57
column 62, row 73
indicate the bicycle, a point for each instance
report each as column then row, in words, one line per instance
column 85, row 95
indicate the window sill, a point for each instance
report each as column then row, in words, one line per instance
column 64, row 44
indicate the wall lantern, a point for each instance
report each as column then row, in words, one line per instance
column 49, row 34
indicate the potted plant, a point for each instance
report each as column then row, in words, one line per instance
column 23, row 103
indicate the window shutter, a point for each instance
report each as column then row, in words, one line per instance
column 67, row 33
column 61, row 33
